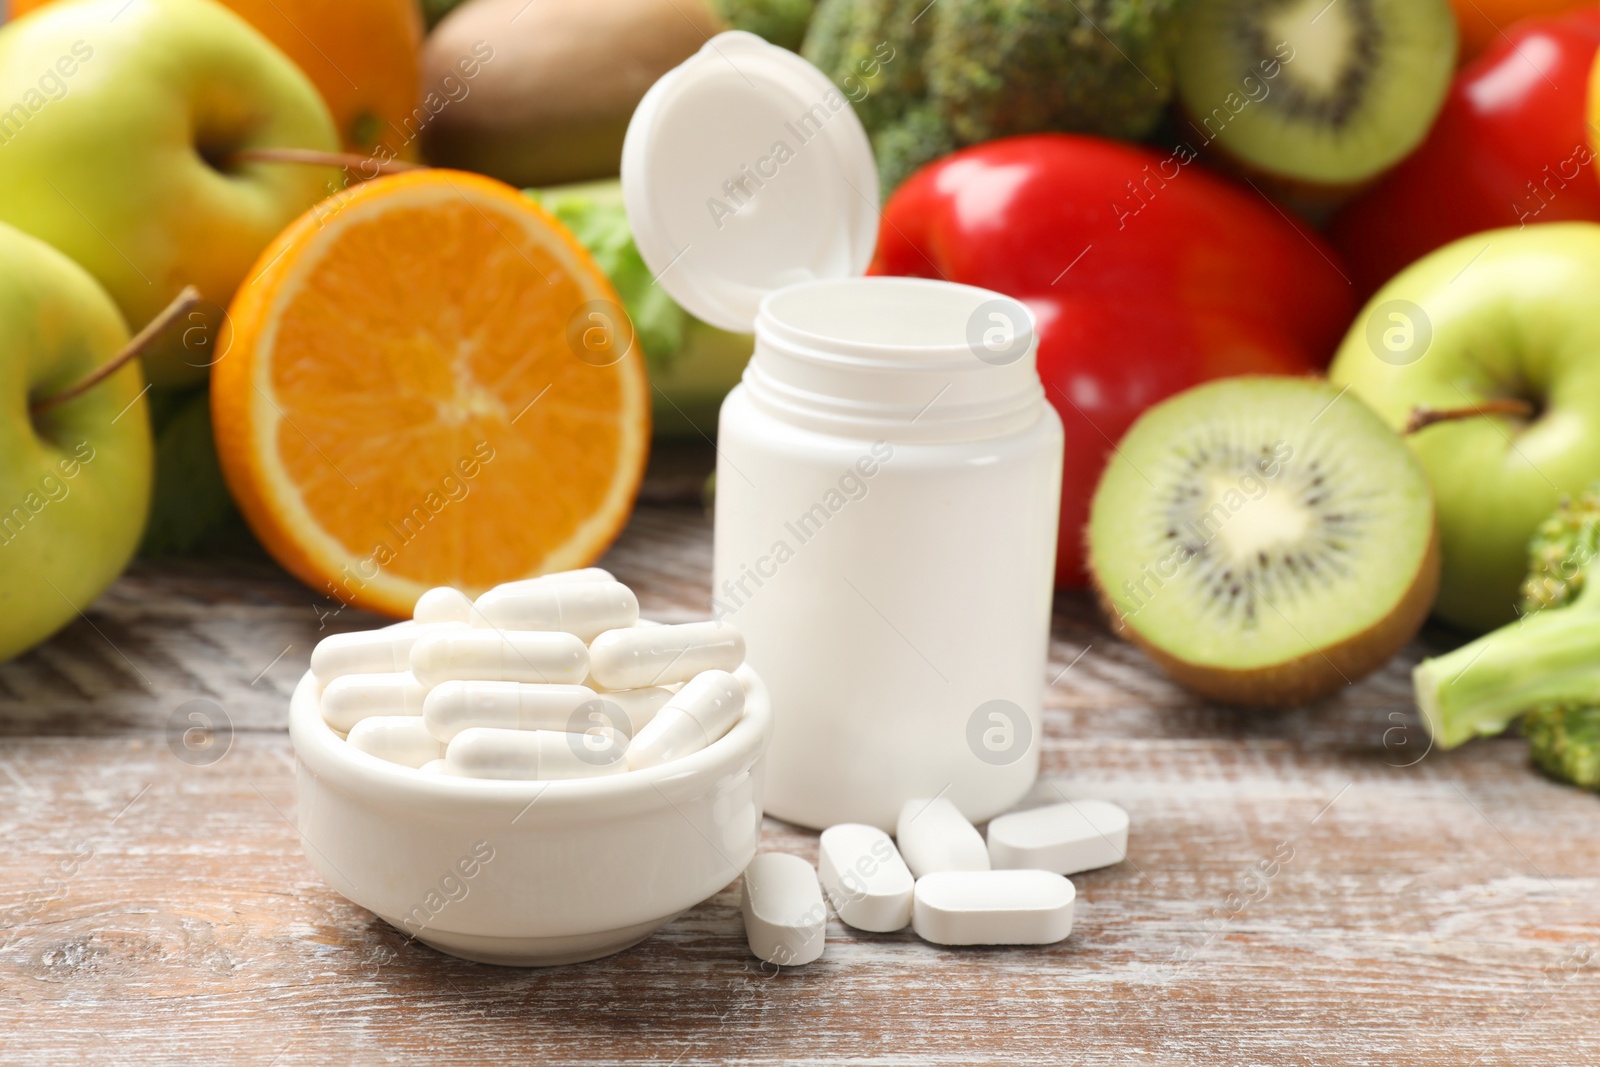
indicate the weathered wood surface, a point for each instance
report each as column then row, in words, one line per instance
column 1300, row 888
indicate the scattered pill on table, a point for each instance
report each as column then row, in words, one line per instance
column 702, row 711
column 399, row 739
column 643, row 656
column 456, row 705
column 865, row 878
column 933, row 835
column 1078, row 835
column 443, row 604
column 352, row 697
column 499, row 655
column 503, row 700
column 1012, row 907
column 785, row 920
column 584, row 609
column 535, row 755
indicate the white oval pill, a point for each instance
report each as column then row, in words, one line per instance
column 698, row 714
column 582, row 608
column 993, row 908
column 864, row 877
column 535, row 755
column 933, row 835
column 352, row 697
column 660, row 655
column 785, row 920
column 399, row 739
column 469, row 654
column 382, row 651
column 443, row 604
column 435, row 766
column 455, row 705
column 1079, row 835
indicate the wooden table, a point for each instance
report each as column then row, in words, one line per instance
column 1311, row 888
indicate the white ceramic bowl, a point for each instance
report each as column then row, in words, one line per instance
column 529, row 873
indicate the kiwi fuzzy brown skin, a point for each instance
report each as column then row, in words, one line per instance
column 1309, row 677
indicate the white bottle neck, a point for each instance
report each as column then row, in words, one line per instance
column 896, row 359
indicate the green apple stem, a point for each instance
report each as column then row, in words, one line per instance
column 1422, row 417
column 348, row 161
column 181, row 305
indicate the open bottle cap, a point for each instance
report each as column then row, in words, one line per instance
column 745, row 171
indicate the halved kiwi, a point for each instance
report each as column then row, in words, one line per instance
column 1266, row 540
column 1320, row 92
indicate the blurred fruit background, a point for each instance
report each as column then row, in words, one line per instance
column 1181, row 190
column 360, row 55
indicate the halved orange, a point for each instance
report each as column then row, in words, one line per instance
column 427, row 381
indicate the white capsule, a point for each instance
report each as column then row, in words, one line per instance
column 993, row 907
column 586, row 574
column 399, row 739
column 454, row 706
column 435, row 766
column 382, row 651
column 660, row 655
column 632, row 709
column 699, row 713
column 443, row 604
column 535, row 755
column 582, row 608
column 933, row 835
column 864, row 877
column 1079, row 835
column 785, row 920
column 352, row 697
column 500, row 656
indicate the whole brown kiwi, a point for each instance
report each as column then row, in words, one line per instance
column 551, row 102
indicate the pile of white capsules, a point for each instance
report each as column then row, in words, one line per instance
column 944, row 880
column 552, row 677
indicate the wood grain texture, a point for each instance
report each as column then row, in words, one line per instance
column 1300, row 888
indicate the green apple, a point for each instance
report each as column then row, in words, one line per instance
column 74, row 479
column 190, row 509
column 118, row 120
column 1493, row 319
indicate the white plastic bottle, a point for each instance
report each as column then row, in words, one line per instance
column 889, row 472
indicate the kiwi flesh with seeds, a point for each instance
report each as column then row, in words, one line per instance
column 1315, row 93
column 1266, row 540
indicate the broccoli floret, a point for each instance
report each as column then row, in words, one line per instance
column 920, row 136
column 1070, row 74
column 873, row 50
column 929, row 78
column 1565, row 742
column 1559, row 554
column 1544, row 667
column 780, row 22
